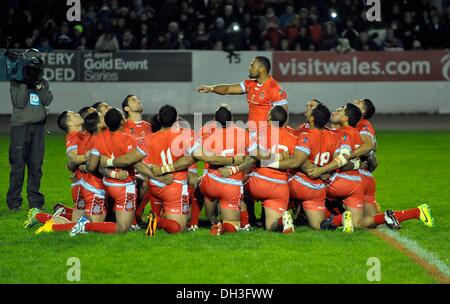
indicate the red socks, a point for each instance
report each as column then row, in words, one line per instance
column 104, row 227
column 244, row 218
column 337, row 221
column 378, row 219
column 407, row 214
column 63, row 227
column 43, row 217
column 67, row 213
column 196, row 209
column 401, row 216
column 228, row 228
column 170, row 226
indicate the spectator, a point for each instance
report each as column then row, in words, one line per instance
column 274, row 34
column 350, row 33
column 304, row 17
column 391, row 42
column 411, row 21
column 315, row 30
column 44, row 46
column 365, row 43
column 182, row 43
column 343, row 46
column 128, row 41
column 291, row 30
column 229, row 17
column 407, row 31
column 63, row 40
column 330, row 37
column 160, row 42
column 251, row 40
column 200, row 37
column 107, row 42
column 303, row 41
column 120, row 27
column 436, row 33
column 288, row 17
column 172, row 34
column 218, row 31
column 105, row 15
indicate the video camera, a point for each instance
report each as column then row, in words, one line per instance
column 26, row 67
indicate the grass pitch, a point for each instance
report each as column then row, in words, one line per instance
column 413, row 169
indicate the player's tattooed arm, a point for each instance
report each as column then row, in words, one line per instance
column 181, row 164
column 247, row 163
column 294, row 162
column 145, row 170
column 365, row 148
column 221, row 89
column 125, row 160
column 339, row 160
column 306, row 166
column 208, row 157
column 353, row 164
column 120, row 174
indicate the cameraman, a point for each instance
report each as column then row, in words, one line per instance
column 30, row 98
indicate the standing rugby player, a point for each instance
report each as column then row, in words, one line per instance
column 263, row 92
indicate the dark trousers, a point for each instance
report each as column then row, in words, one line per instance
column 26, row 148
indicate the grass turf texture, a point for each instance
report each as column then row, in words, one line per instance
column 413, row 169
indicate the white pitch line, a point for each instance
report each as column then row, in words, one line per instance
column 417, row 249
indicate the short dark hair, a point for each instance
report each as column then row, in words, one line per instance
column 223, row 115
column 113, row 118
column 370, row 108
column 321, row 115
column 353, row 113
column 156, row 125
column 125, row 104
column 167, row 116
column 316, row 100
column 97, row 104
column 84, row 111
column 278, row 113
column 61, row 121
column 265, row 62
column 91, row 122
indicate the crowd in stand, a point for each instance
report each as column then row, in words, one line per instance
column 339, row 25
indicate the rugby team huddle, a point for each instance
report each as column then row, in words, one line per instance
column 321, row 170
